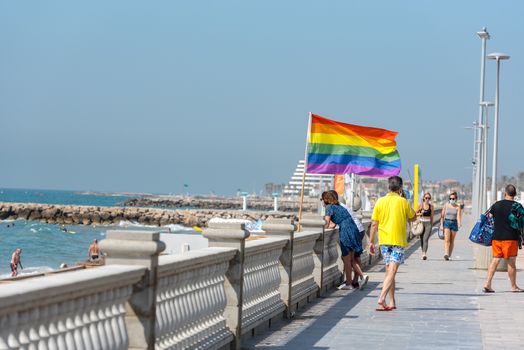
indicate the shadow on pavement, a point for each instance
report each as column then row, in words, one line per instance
column 316, row 326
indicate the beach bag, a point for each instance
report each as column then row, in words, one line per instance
column 417, row 228
column 482, row 232
column 516, row 219
column 516, row 216
column 440, row 233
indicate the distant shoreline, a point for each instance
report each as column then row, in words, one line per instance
column 112, row 194
column 223, row 203
column 106, row 215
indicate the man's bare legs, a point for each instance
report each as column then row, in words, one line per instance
column 392, row 302
column 512, row 273
column 491, row 272
column 388, row 284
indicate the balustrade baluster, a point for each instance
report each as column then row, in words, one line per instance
column 93, row 326
column 69, row 308
column 86, row 322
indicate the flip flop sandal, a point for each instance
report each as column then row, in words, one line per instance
column 384, row 308
column 518, row 291
column 387, row 308
column 488, row 290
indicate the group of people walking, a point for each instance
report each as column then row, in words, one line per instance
column 450, row 222
column 389, row 220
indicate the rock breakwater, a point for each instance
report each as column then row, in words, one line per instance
column 223, row 203
column 97, row 215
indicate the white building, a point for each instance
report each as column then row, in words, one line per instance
column 314, row 184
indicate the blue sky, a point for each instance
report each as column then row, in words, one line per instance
column 147, row 96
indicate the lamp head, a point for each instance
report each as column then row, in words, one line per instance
column 483, row 34
column 498, row 56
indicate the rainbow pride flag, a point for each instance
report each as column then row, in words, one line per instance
column 340, row 148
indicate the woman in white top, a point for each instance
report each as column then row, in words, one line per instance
column 450, row 222
column 356, row 283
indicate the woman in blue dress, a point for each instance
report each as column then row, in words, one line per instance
column 350, row 242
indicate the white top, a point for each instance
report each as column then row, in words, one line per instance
column 354, row 217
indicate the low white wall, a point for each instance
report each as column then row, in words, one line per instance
column 78, row 310
column 191, row 300
column 261, row 299
column 206, row 298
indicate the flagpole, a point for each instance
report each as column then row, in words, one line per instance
column 304, row 176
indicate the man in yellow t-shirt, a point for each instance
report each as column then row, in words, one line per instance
column 390, row 216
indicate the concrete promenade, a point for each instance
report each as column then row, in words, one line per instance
column 440, row 305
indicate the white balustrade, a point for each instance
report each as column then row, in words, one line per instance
column 191, row 300
column 205, row 299
column 75, row 310
column 332, row 273
column 303, row 284
column 261, row 294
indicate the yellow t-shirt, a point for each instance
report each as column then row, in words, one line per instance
column 391, row 212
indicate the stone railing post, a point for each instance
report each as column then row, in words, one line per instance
column 231, row 235
column 316, row 223
column 127, row 247
column 284, row 228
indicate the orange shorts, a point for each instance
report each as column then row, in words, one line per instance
column 504, row 249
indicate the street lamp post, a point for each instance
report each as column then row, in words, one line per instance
column 474, row 127
column 478, row 153
column 484, row 200
column 497, row 57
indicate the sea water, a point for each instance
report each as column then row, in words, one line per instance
column 46, row 246
column 59, row 197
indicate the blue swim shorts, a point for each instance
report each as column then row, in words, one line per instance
column 392, row 253
column 451, row 224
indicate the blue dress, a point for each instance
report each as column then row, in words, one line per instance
column 350, row 240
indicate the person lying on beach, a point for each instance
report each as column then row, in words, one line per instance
column 15, row 261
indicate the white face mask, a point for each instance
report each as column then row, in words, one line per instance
column 452, row 201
